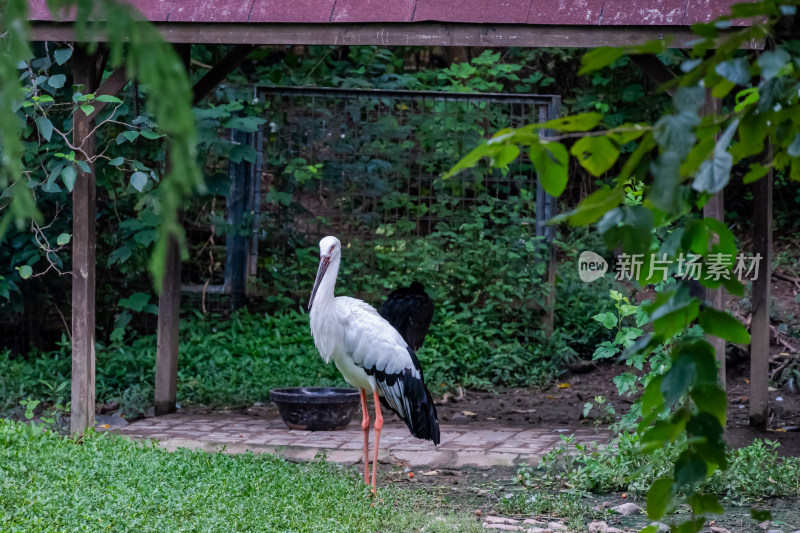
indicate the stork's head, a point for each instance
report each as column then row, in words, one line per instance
column 329, row 251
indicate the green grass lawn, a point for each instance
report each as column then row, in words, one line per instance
column 107, row 483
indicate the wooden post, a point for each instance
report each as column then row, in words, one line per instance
column 715, row 208
column 83, row 257
column 169, row 311
column 759, row 327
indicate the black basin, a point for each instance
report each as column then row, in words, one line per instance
column 316, row 408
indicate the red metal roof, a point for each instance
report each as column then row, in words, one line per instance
column 540, row 12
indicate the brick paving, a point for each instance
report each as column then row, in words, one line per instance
column 461, row 445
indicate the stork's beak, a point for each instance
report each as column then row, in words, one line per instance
column 323, row 266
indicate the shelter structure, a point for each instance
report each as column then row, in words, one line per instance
column 448, row 23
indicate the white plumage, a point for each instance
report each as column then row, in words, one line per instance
column 370, row 354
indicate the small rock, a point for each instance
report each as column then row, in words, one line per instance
column 765, row 525
column 628, row 509
column 556, row 526
column 774, row 531
column 539, row 530
column 597, row 526
column 503, row 527
column 500, row 520
column 532, row 522
column 661, row 528
column 717, row 529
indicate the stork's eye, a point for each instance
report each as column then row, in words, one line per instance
column 331, row 250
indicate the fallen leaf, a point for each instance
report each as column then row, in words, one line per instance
column 490, row 418
column 551, row 397
column 469, row 413
column 105, row 426
column 746, row 380
column 430, row 473
column 564, row 385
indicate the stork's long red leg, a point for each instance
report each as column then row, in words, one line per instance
column 378, row 426
column 365, row 428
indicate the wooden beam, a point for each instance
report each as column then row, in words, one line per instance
column 112, row 85
column 83, row 257
column 761, row 298
column 655, row 69
column 169, row 312
column 715, row 208
column 403, row 34
column 220, row 71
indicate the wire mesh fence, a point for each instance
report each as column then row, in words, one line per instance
column 369, row 162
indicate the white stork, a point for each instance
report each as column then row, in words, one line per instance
column 370, row 354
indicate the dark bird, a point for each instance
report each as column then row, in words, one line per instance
column 370, row 354
column 409, row 310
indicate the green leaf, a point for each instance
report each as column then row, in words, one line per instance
column 736, row 71
column 44, row 126
column 117, row 161
column 652, row 399
column 551, row 162
column 136, row 302
column 659, row 497
column 706, row 431
column 138, row 180
column 593, row 206
column 722, row 325
column 150, row 134
column 120, row 255
column 131, row 135
column 630, row 226
column 756, row 172
column 705, row 503
column 714, row 174
column 676, row 132
column 710, row 399
column 690, row 469
column 598, row 58
column 68, row 175
column 794, row 148
column 25, row 271
column 772, row 61
column 63, row 239
column 62, row 55
column 678, row 379
column 51, row 187
column 87, row 109
column 109, row 99
column 56, row 81
column 506, row 155
column 746, row 97
column 689, row 98
column 596, row 154
column 608, row 319
column 761, row 515
column 580, row 122
column 665, row 192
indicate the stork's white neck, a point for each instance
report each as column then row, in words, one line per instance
column 323, row 300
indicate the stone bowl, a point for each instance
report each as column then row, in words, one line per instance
column 316, row 408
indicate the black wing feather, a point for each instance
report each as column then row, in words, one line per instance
column 410, row 311
column 407, row 396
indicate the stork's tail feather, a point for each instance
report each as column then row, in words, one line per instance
column 420, row 412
